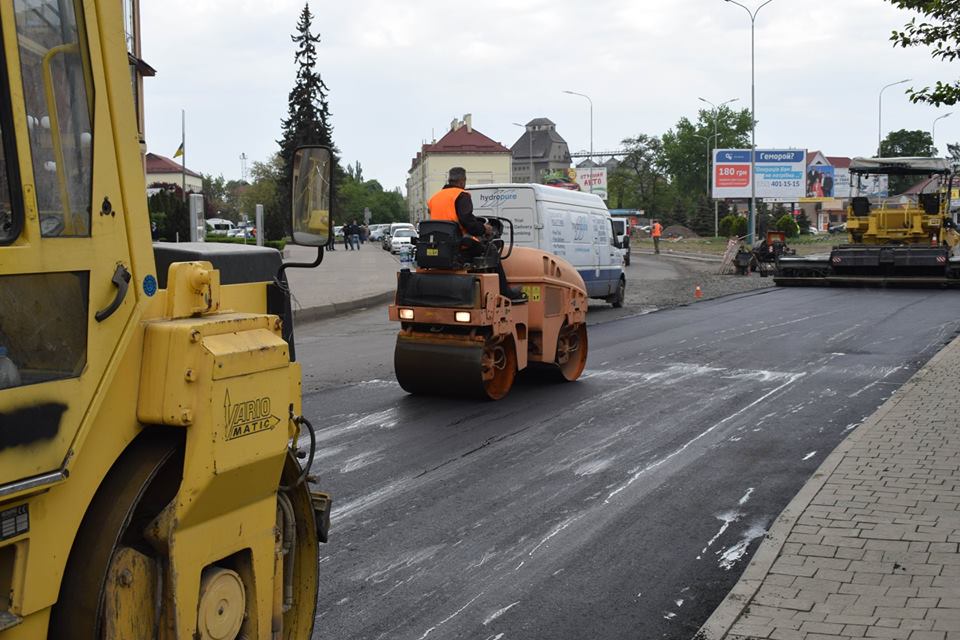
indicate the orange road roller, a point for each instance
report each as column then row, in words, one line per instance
column 461, row 336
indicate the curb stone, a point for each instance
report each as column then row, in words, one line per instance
column 738, row 600
column 312, row 314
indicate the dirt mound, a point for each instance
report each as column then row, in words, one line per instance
column 679, row 231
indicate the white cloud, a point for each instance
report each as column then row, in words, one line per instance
column 398, row 72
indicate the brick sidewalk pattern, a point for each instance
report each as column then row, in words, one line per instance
column 875, row 553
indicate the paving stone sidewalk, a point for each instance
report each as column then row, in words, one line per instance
column 869, row 547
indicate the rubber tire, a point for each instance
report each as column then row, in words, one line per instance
column 618, row 298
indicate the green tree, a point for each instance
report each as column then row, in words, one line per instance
column 357, row 194
column 265, row 188
column 168, row 209
column 954, row 151
column 906, row 144
column 788, row 225
column 803, row 222
column 939, row 29
column 640, row 181
column 308, row 113
column 685, row 150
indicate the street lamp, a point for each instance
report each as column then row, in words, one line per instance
column 933, row 129
column 752, row 223
column 880, row 113
column 583, row 95
column 716, row 202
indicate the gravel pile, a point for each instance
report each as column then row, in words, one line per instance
column 649, row 292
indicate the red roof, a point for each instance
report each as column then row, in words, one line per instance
column 462, row 140
column 162, row 164
column 839, row 162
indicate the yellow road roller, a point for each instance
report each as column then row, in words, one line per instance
column 460, row 336
column 152, row 480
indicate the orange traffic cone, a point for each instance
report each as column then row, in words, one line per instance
column 697, row 293
column 933, row 240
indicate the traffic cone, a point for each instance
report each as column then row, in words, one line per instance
column 933, row 240
column 697, row 293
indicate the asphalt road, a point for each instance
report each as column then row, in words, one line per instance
column 624, row 505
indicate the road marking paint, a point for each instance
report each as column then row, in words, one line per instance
column 809, row 455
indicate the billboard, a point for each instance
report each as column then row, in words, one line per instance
column 780, row 173
column 592, row 180
column 819, row 183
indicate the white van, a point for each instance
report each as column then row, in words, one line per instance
column 575, row 226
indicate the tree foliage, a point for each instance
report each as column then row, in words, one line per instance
column 170, row 213
column 308, row 112
column 733, row 226
column 906, row 144
column 939, row 29
column 357, row 194
column 788, row 225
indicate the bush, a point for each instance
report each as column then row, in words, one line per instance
column 788, row 225
column 733, row 225
column 273, row 244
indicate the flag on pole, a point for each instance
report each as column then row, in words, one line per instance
column 179, row 151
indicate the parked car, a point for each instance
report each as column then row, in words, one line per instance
column 338, row 232
column 385, row 241
column 401, row 238
column 838, row 228
column 813, row 231
column 377, row 231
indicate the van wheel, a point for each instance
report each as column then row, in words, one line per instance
column 617, row 298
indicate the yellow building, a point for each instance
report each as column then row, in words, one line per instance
column 485, row 160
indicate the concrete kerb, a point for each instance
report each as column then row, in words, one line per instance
column 312, row 314
column 669, row 253
column 733, row 605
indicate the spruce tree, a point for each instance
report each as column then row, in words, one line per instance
column 308, row 113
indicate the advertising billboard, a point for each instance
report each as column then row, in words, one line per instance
column 780, row 173
column 592, row 180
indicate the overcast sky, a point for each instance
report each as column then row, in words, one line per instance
column 399, row 72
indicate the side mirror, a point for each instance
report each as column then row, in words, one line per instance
column 312, row 169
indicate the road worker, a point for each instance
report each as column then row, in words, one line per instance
column 454, row 204
column 655, row 232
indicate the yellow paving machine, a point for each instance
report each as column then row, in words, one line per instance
column 905, row 239
column 151, row 483
column 460, row 336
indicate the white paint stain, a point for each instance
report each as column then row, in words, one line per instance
column 746, row 497
column 557, row 529
column 669, row 615
column 360, row 461
column 679, row 603
column 363, row 503
column 640, row 472
column 403, row 561
column 385, row 419
column 732, row 555
column 592, row 467
column 809, row 455
column 450, row 617
column 499, row 612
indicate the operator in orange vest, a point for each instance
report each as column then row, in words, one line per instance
column 454, row 204
column 655, row 232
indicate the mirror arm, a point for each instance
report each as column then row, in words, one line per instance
column 301, row 265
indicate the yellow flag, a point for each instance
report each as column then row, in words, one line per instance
column 179, row 151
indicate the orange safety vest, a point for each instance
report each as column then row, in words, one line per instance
column 657, row 230
column 442, row 206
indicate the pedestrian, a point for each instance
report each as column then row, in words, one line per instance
column 355, row 235
column 655, row 232
column 332, row 240
column 346, row 236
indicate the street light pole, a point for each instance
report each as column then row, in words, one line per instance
column 583, row 95
column 752, row 222
column 933, row 129
column 530, row 139
column 880, row 113
column 716, row 202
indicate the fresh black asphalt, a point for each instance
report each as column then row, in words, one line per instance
column 624, row 505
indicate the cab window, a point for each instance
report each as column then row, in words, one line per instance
column 11, row 209
column 58, row 101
